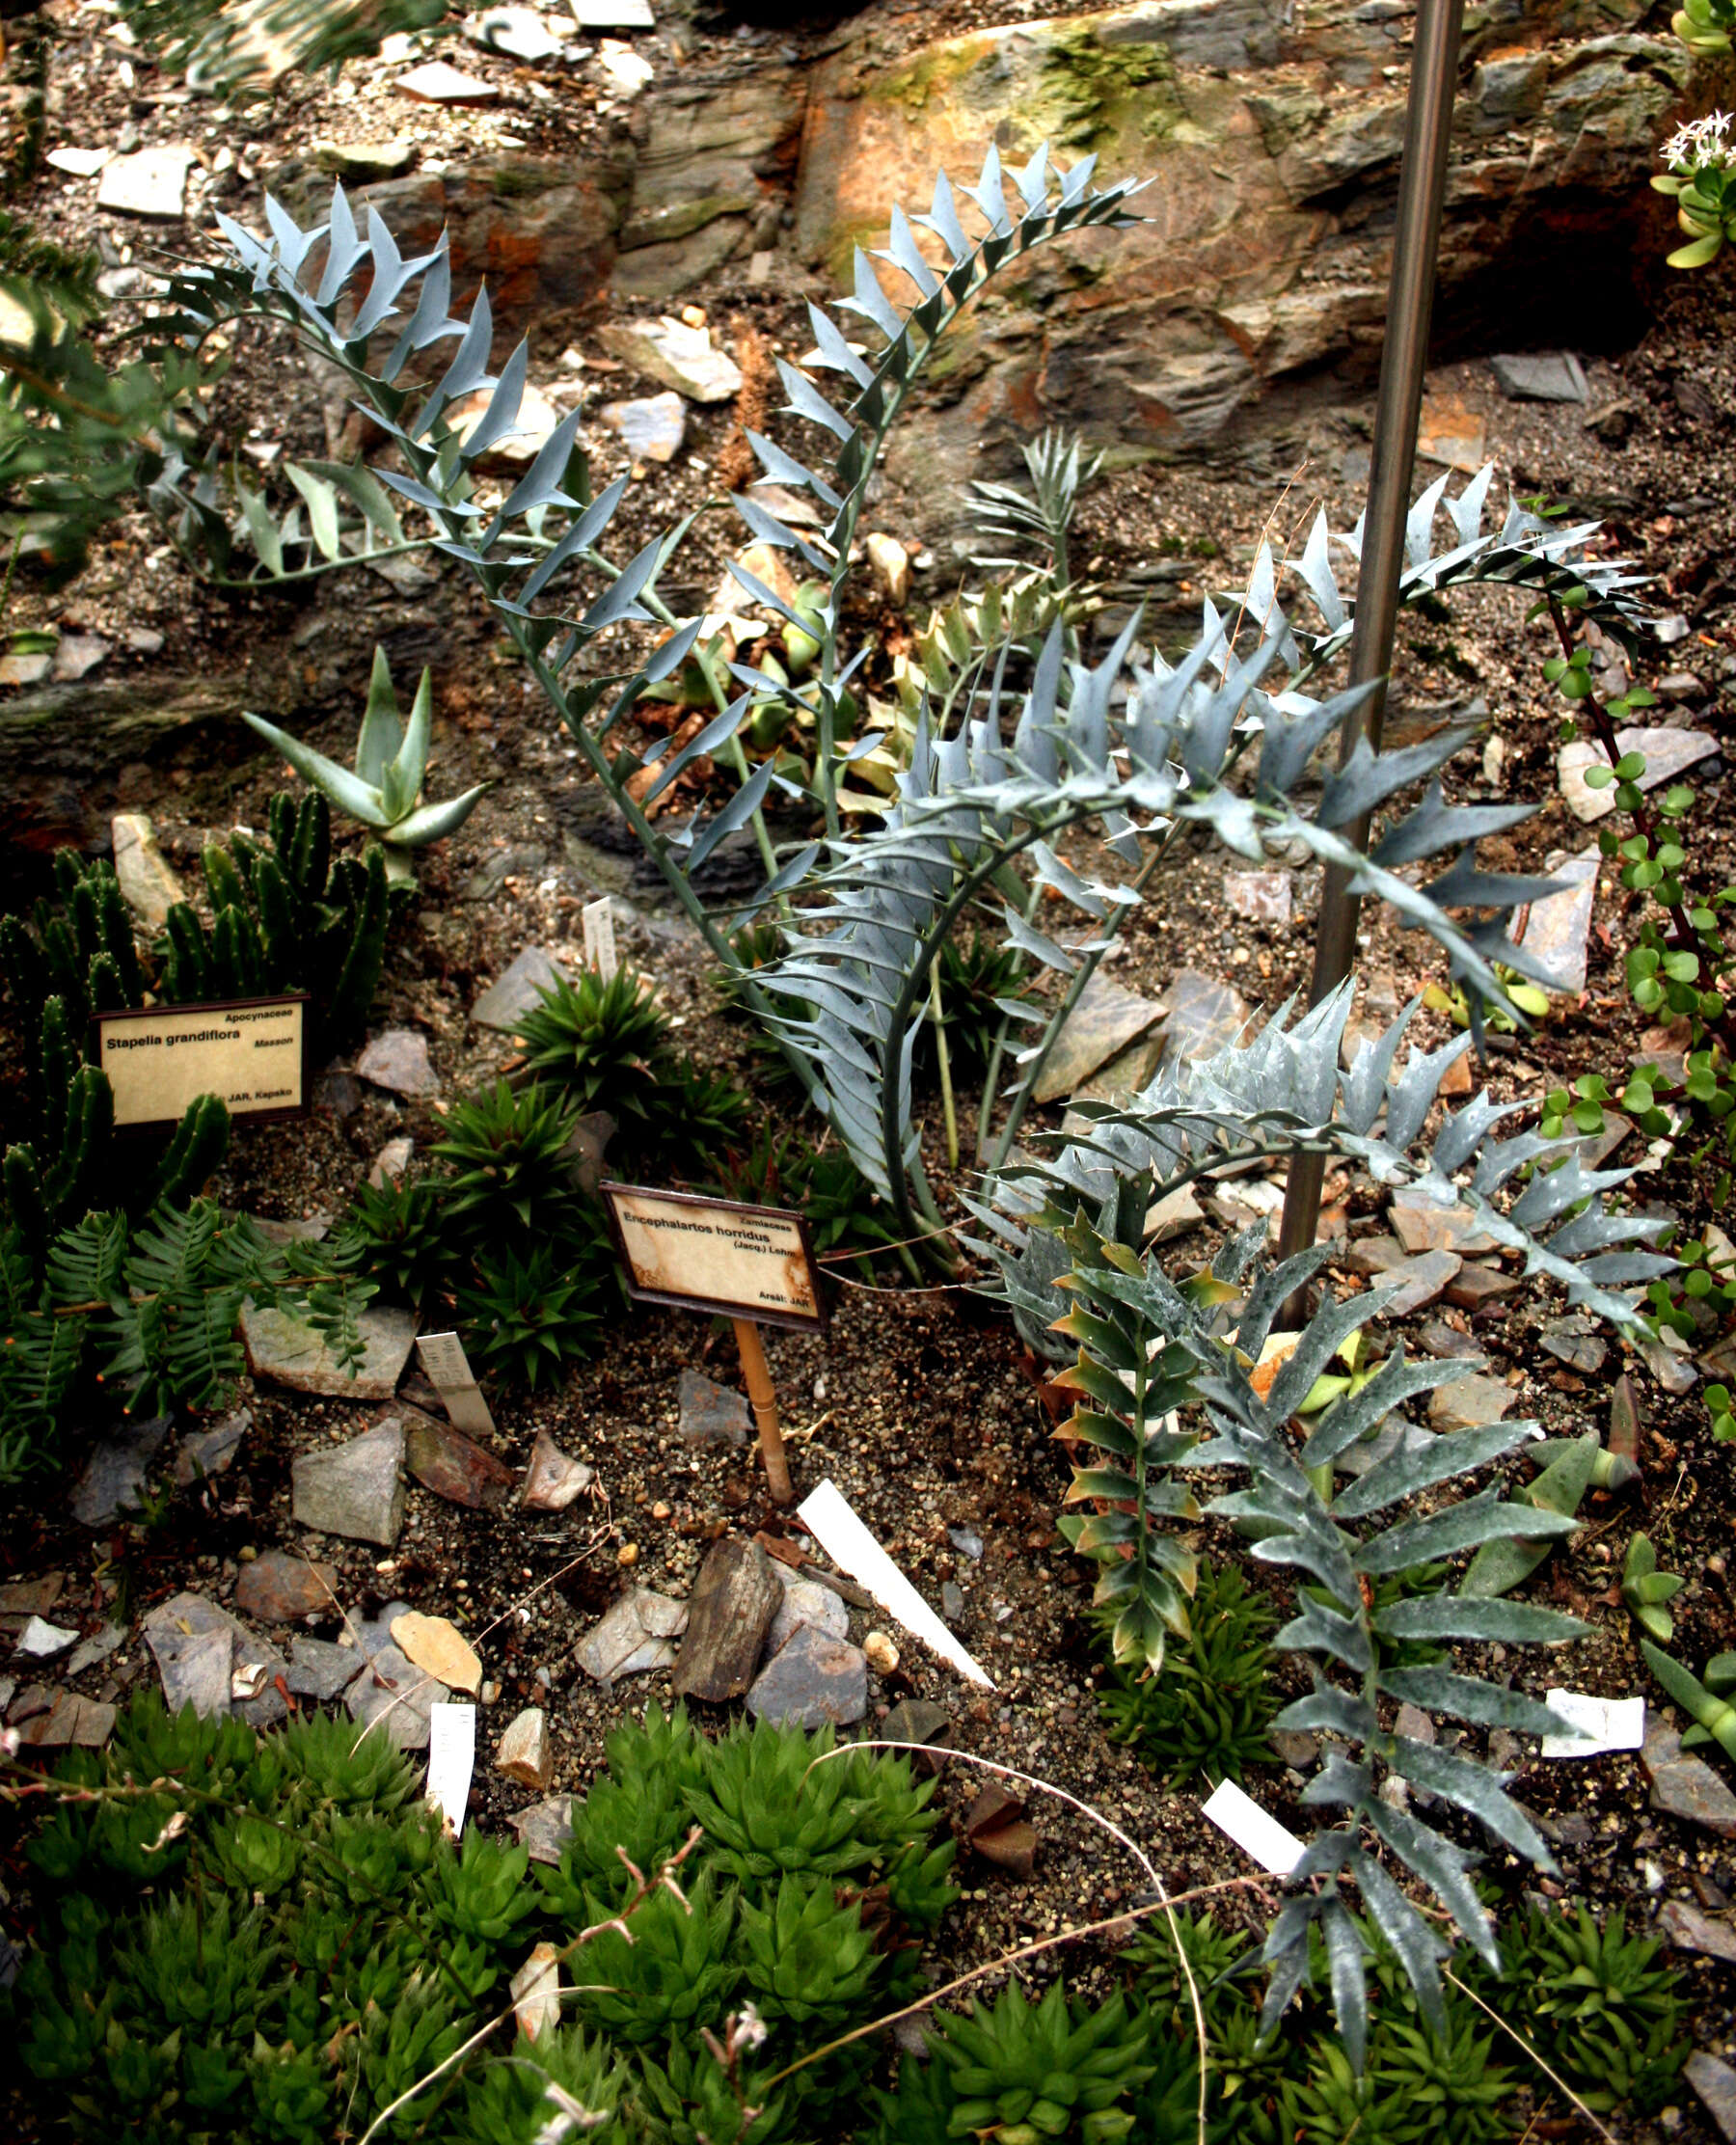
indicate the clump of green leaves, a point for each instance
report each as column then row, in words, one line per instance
column 273, row 1942
column 1609, row 2012
column 528, row 1317
column 1645, row 1589
column 1208, row 1710
column 385, row 787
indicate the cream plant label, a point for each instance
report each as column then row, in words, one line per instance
column 249, row 1052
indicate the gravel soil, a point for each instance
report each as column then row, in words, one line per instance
column 924, row 1410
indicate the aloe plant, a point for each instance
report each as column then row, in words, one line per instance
column 392, row 759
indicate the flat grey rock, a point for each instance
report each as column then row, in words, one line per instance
column 1436, row 1338
column 320, row 1671
column 1687, row 1787
column 396, row 1696
column 544, row 1828
column 1262, row 897
column 1574, row 1339
column 1557, row 930
column 1419, row 1281
column 1475, row 1284
column 1668, row 754
column 1675, row 1373
column 41, row 1641
column 1690, row 1930
column 291, row 1353
column 653, row 428
column 516, row 861
column 190, row 1638
column 364, row 161
column 1204, row 1014
column 553, row 1478
column 805, row 1603
column 614, row 15
column 397, row 1060
column 1102, row 1024
column 634, row 1636
column 1420, row 1225
column 1715, row 2084
column 150, row 183
column 355, row 1490
column 211, row 1452
column 279, row 1587
column 97, row 1648
column 680, row 357
column 919, row 1721
column 518, row 992
column 113, row 1476
column 811, row 1681
column 1469, row 1404
column 734, row 1599
column 711, row 1414
column 1541, row 376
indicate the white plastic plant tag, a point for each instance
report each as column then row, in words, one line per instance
column 599, row 938
column 826, row 1515
column 1604, row 1724
column 451, row 1760
column 1273, row 1846
column 444, row 1359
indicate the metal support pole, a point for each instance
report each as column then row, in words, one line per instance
column 1415, row 241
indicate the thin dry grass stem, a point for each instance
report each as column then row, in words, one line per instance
column 644, row 1888
column 1032, row 1950
column 1096, row 1817
column 1289, row 484
column 1555, row 2078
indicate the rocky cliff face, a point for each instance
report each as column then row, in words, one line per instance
column 1270, row 130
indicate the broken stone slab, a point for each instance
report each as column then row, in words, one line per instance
column 1557, row 930
column 1541, row 376
column 355, row 1490
column 920, row 1720
column 437, row 83
column 680, row 357
column 1715, row 2084
column 1686, row 1787
column 199, row 1649
column 76, row 657
column 97, row 1648
column 210, row 1451
column 150, row 183
column 553, row 1478
column 1419, row 1281
column 524, row 1754
column 362, row 162
column 813, row 1679
column 1422, row 1225
column 436, row 1644
column 653, row 428
column 113, row 1476
column 281, row 1588
column 1574, row 1340
column 390, row 1163
column 397, row 1695
column 735, row 1597
column 1102, row 1024
column 31, row 1597
column 634, row 1636
column 1475, row 1285
column 41, row 1641
column 519, row 990
column 1668, row 754
column 397, row 1060
column 1436, row 1338
column 1204, row 1016
column 450, row 1464
column 78, row 163
column 320, row 1671
column 1174, row 1215
column 291, row 1352
column 544, row 1828
column 71, row 1721
column 1674, row 1372
column 1262, row 897
column 805, row 1603
column 612, row 15
column 1690, row 1930
column 1469, row 1404
column 520, row 33
column 626, row 71
column 711, row 1414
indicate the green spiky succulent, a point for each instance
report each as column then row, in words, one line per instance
column 528, row 1317
column 1609, row 2012
column 392, row 759
column 509, row 1155
column 397, row 1232
column 975, row 974
column 1207, row 1709
column 597, row 1041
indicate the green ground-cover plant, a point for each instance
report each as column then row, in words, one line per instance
column 273, row 1939
column 383, row 791
column 1205, row 1713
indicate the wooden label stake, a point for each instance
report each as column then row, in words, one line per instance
column 754, row 1265
column 765, row 1411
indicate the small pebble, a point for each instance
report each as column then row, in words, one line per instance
column 627, row 1554
column 660, row 1511
column 883, row 1654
